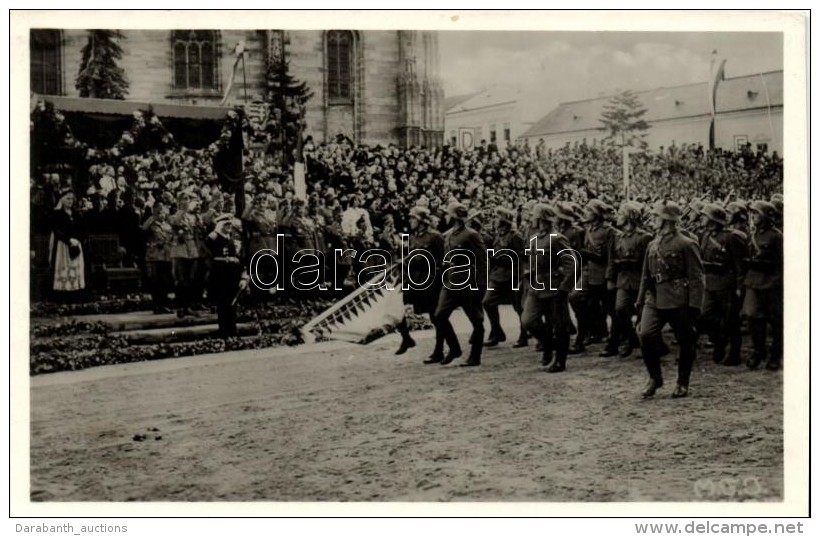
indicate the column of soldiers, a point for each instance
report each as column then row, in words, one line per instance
column 699, row 269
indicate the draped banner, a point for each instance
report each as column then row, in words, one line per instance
column 364, row 315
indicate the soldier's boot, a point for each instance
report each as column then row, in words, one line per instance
column 522, row 340
column 719, row 351
column 475, row 356
column 757, row 327
column 407, row 342
column 559, row 364
column 578, row 347
column 438, row 351
column 546, row 355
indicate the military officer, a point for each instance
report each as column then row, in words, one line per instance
column 671, row 291
column 546, row 309
column 623, row 273
column 462, row 288
column 501, row 275
column 763, row 303
column 228, row 276
column 158, row 240
column 722, row 252
column 185, row 253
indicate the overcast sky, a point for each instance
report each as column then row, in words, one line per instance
column 552, row 67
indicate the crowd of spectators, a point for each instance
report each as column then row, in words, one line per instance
column 360, row 195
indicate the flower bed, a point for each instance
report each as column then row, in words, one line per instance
column 73, row 345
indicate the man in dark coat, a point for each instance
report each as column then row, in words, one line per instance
column 228, row 277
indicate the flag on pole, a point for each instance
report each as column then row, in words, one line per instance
column 239, row 52
column 299, row 185
column 717, row 72
column 625, row 159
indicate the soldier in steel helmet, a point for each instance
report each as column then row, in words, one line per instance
column 671, row 292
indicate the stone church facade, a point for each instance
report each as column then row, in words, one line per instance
column 375, row 87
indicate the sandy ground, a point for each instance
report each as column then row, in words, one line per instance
column 340, row 422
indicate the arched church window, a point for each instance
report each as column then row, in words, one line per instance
column 196, row 54
column 46, row 69
column 339, row 65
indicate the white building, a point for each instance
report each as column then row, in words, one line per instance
column 494, row 115
column 748, row 109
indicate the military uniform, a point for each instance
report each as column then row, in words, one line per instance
column 158, row 240
column 185, row 257
column 763, row 303
column 455, row 295
column 425, row 300
column 557, row 274
column 227, row 271
column 722, row 252
column 671, row 291
column 625, row 262
column 501, row 278
column 591, row 303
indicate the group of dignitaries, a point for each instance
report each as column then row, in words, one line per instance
column 699, row 268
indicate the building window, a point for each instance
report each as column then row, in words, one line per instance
column 46, row 72
column 492, row 134
column 762, row 147
column 195, row 59
column 339, row 65
column 740, row 141
column 507, row 132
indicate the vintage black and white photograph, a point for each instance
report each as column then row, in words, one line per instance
column 328, row 263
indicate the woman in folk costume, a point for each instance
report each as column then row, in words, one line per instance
column 66, row 248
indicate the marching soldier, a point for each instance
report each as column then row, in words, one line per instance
column 547, row 298
column 737, row 213
column 590, row 303
column 722, row 252
column 763, row 303
column 501, row 276
column 623, row 273
column 671, row 292
column 425, row 238
column 526, row 230
column 460, row 292
column 228, row 277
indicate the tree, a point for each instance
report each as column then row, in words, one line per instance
column 623, row 119
column 287, row 98
column 100, row 77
